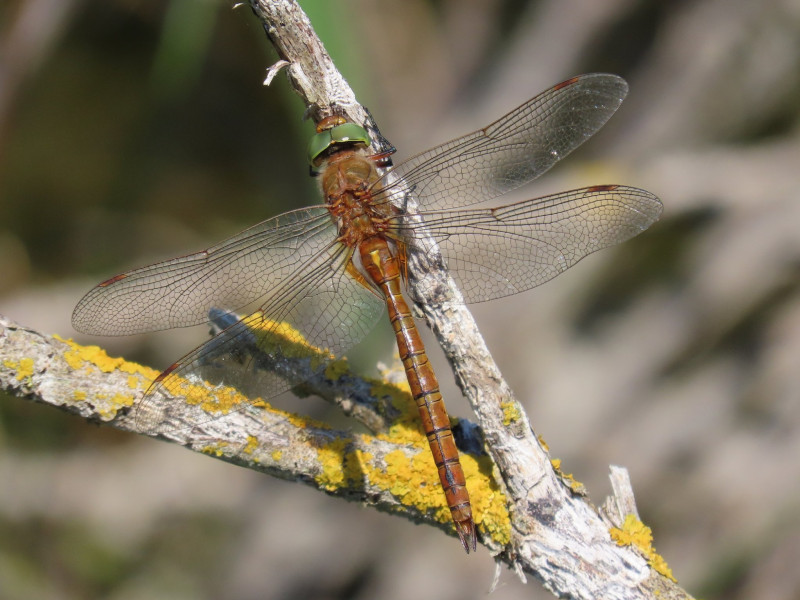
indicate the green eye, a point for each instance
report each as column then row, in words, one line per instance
column 346, row 133
column 319, row 143
column 350, row 132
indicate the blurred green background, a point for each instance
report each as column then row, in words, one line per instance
column 136, row 130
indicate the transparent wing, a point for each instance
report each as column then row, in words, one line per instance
column 512, row 151
column 288, row 272
column 180, row 292
column 304, row 322
column 496, row 252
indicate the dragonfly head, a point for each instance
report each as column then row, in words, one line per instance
column 333, row 133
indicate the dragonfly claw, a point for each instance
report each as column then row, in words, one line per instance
column 467, row 534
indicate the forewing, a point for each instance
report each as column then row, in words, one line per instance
column 303, row 324
column 235, row 274
column 512, row 151
column 497, row 252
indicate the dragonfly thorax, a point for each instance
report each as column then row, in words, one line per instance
column 347, row 171
column 346, row 182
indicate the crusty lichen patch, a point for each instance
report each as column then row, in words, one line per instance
column 410, row 473
column 576, row 486
column 93, row 357
column 280, row 337
column 222, row 401
column 23, row 367
column 414, row 479
column 79, row 357
column 252, row 445
column 217, row 448
column 336, row 369
column 341, row 464
column 511, row 413
column 637, row 534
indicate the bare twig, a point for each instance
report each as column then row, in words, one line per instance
column 621, row 502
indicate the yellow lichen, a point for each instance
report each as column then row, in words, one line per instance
column 302, row 422
column 217, row 448
column 121, row 400
column 543, row 444
column 412, row 477
column 399, row 393
column 511, row 413
column 332, row 458
column 79, row 357
column 633, row 533
column 406, row 427
column 252, row 444
column 221, row 401
column 284, row 339
column 337, row 369
column 637, row 534
column 415, row 481
column 489, row 505
column 576, row 486
column 109, row 410
column 341, row 464
column 25, row 368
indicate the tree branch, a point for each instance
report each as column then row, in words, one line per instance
column 391, row 471
column 556, row 536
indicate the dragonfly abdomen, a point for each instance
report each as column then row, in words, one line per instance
column 383, row 269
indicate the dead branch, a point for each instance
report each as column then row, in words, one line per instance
column 556, row 536
column 85, row 381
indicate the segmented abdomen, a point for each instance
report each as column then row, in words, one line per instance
column 384, row 269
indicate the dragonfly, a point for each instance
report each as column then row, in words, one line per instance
column 328, row 273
